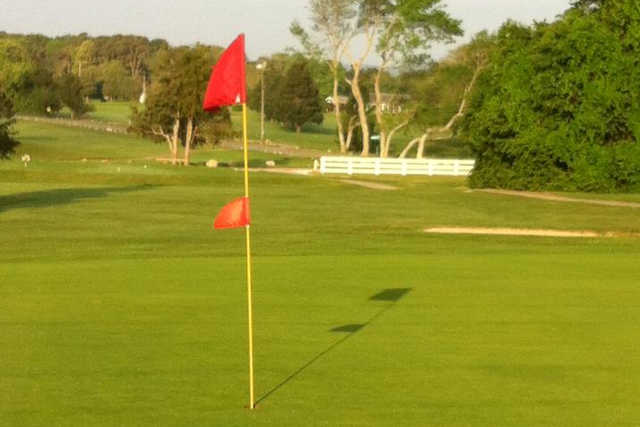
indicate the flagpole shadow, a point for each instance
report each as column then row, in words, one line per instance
column 389, row 295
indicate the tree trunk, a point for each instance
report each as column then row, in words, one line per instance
column 336, row 110
column 175, row 139
column 298, row 127
column 382, row 132
column 408, row 148
column 353, row 124
column 187, row 141
column 389, row 138
column 362, row 112
column 420, row 152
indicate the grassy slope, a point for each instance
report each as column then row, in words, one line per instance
column 119, row 305
column 49, row 142
column 320, row 137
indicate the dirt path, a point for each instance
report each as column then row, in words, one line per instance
column 524, row 232
column 372, row 185
column 556, row 198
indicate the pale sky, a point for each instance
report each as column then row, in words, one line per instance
column 265, row 22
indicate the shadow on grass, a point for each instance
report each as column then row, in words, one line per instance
column 61, row 196
column 392, row 296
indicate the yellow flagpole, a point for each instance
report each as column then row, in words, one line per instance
column 248, row 234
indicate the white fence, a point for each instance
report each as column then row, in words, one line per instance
column 377, row 166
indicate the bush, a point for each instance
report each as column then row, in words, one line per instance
column 70, row 91
column 40, row 100
column 559, row 107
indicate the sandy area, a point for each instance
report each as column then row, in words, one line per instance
column 372, row 185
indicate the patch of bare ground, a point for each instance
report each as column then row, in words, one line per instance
column 372, row 185
column 525, row 232
column 556, row 198
column 286, row 171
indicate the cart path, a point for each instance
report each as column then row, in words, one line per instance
column 525, row 232
column 556, row 198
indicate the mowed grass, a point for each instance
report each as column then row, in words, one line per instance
column 50, row 146
column 120, row 306
column 322, row 137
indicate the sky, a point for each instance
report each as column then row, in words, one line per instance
column 265, row 22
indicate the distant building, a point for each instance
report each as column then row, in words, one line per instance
column 342, row 100
column 390, row 102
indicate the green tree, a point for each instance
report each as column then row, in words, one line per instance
column 334, row 27
column 85, row 55
column 7, row 140
column 25, row 76
column 442, row 94
column 117, row 84
column 559, row 107
column 406, row 31
column 299, row 99
column 70, row 91
column 173, row 110
column 16, row 67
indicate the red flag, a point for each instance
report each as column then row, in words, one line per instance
column 235, row 214
column 228, row 85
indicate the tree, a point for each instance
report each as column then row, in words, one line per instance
column 333, row 23
column 443, row 97
column 559, row 107
column 299, row 100
column 133, row 52
column 85, row 54
column 16, row 67
column 406, row 31
column 117, row 83
column 368, row 23
column 25, row 77
column 173, row 110
column 7, row 141
column 70, row 91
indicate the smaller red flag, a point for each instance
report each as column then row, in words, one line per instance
column 227, row 85
column 235, row 214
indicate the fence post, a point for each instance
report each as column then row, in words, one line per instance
column 404, row 168
column 376, row 170
column 456, row 167
column 430, row 168
column 350, row 167
column 323, row 165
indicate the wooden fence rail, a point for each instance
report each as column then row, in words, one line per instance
column 377, row 166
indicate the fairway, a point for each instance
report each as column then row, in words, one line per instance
column 120, row 306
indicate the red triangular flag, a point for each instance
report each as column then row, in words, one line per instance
column 227, row 85
column 235, row 214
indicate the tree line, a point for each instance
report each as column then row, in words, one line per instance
column 546, row 106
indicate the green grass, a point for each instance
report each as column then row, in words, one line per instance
column 46, row 143
column 319, row 137
column 120, row 306
column 113, row 111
